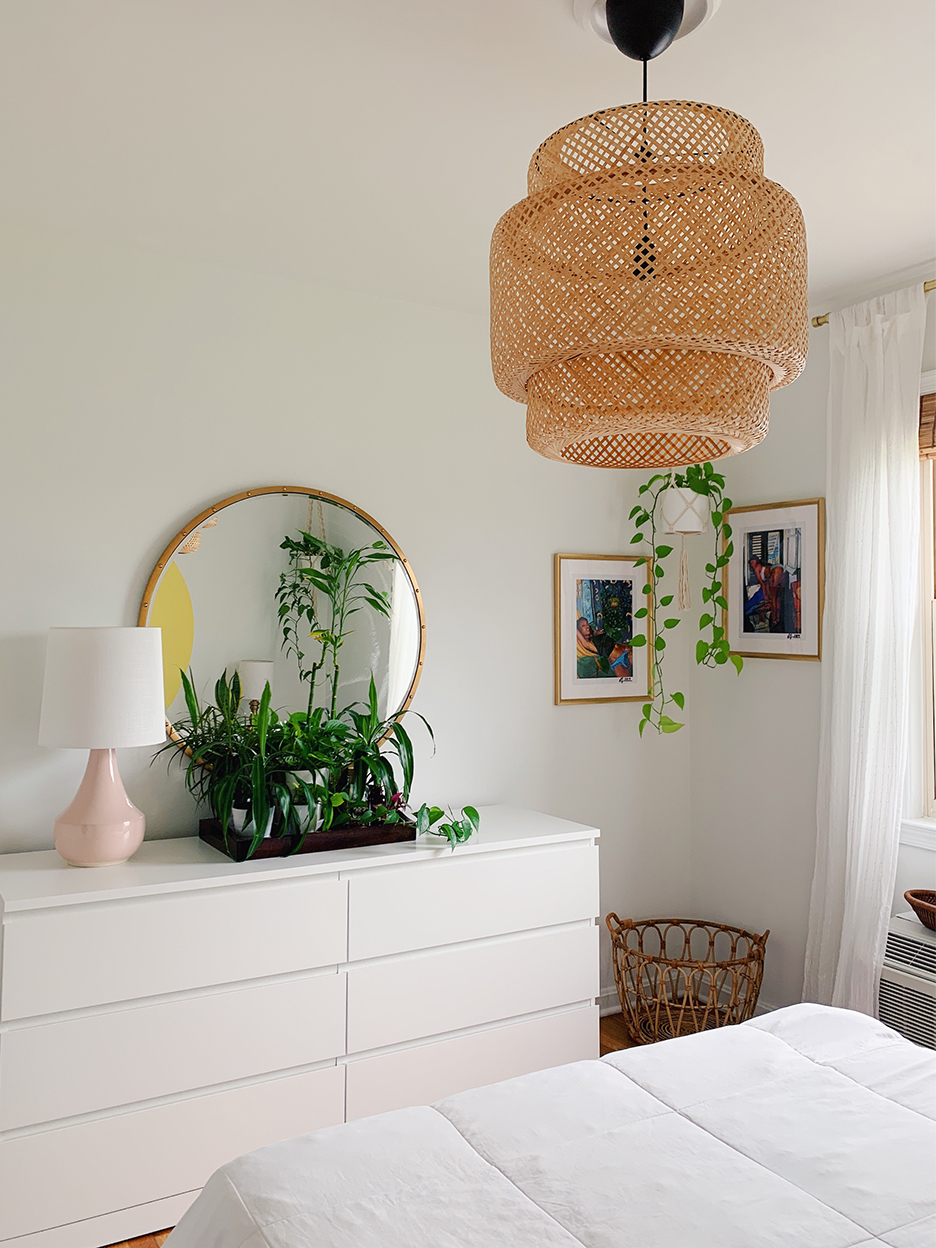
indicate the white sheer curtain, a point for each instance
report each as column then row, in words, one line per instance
column 873, row 515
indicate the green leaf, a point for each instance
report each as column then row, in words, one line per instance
column 635, row 511
column 647, row 710
column 639, row 640
column 701, row 651
column 737, row 661
column 727, row 504
column 670, row 623
column 716, row 518
column 646, row 589
column 642, row 725
column 718, row 633
column 710, row 569
column 721, row 602
column 669, row 725
column 263, row 719
column 638, row 537
column 659, row 644
column 640, row 613
column 663, row 551
column 664, row 602
column 706, row 620
column 679, row 699
column 729, row 550
column 657, row 570
column 706, row 595
column 727, row 530
column 721, row 658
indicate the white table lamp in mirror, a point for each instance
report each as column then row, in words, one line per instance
column 103, row 691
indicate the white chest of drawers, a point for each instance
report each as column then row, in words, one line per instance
column 159, row 1018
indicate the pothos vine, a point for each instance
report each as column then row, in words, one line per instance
column 712, row 649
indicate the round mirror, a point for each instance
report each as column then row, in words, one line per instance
column 293, row 587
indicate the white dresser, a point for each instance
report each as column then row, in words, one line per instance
column 161, row 1017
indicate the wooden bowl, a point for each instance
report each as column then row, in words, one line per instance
column 923, row 901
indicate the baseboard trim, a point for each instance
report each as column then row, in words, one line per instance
column 608, row 1003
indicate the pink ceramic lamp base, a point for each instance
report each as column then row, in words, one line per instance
column 101, row 827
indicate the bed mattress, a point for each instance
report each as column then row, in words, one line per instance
column 806, row 1128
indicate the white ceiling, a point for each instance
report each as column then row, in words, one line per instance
column 373, row 144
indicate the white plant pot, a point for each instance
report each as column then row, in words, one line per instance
column 684, row 511
column 239, row 818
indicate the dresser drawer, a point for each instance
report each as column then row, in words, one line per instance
column 429, row 1072
column 79, row 1065
column 430, row 993
column 466, row 898
column 90, row 1169
column 95, row 954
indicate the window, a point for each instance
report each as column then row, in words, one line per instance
column 928, row 594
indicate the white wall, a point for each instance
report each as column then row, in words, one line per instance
column 136, row 389
column 755, row 737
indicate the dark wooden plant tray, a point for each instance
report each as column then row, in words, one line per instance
column 315, row 843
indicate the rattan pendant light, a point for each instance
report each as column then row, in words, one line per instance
column 650, row 291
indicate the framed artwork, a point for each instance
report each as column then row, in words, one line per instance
column 595, row 600
column 775, row 581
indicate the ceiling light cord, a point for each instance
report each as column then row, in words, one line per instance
column 645, row 80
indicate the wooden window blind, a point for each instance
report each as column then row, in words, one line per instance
column 928, row 426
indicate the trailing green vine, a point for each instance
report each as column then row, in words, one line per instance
column 712, row 648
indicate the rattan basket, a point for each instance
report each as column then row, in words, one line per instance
column 678, row 976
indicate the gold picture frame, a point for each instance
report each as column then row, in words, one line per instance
column 571, row 644
column 791, row 608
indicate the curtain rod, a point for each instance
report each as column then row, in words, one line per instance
column 824, row 319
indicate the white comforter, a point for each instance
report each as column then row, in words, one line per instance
column 806, row 1128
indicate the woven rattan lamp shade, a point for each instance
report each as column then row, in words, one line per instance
column 650, row 290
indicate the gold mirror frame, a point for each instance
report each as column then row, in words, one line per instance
column 307, row 492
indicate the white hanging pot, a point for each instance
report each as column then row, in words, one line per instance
column 684, row 511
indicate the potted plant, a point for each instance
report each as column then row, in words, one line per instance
column 241, row 764
column 322, row 778
column 697, row 490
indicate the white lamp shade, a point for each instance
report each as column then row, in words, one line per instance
column 103, row 688
column 254, row 675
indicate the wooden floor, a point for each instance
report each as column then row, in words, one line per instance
column 613, row 1037
column 156, row 1240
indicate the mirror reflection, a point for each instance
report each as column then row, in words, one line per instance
column 292, row 587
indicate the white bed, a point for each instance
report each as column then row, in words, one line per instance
column 806, row 1128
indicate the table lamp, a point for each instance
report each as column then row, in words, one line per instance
column 255, row 675
column 103, row 691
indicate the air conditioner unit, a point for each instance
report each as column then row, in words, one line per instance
column 907, row 994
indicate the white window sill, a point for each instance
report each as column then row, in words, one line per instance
column 920, row 833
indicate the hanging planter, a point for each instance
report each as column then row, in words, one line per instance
column 685, row 512
column 682, row 502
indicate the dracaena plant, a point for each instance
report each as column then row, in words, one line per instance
column 712, row 649
column 318, row 596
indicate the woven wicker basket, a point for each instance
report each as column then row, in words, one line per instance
column 923, row 901
column 679, row 976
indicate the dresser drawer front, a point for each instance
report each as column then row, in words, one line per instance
column 80, row 1065
column 470, row 897
column 447, row 990
column 430, row 1072
column 85, row 955
column 83, row 1171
